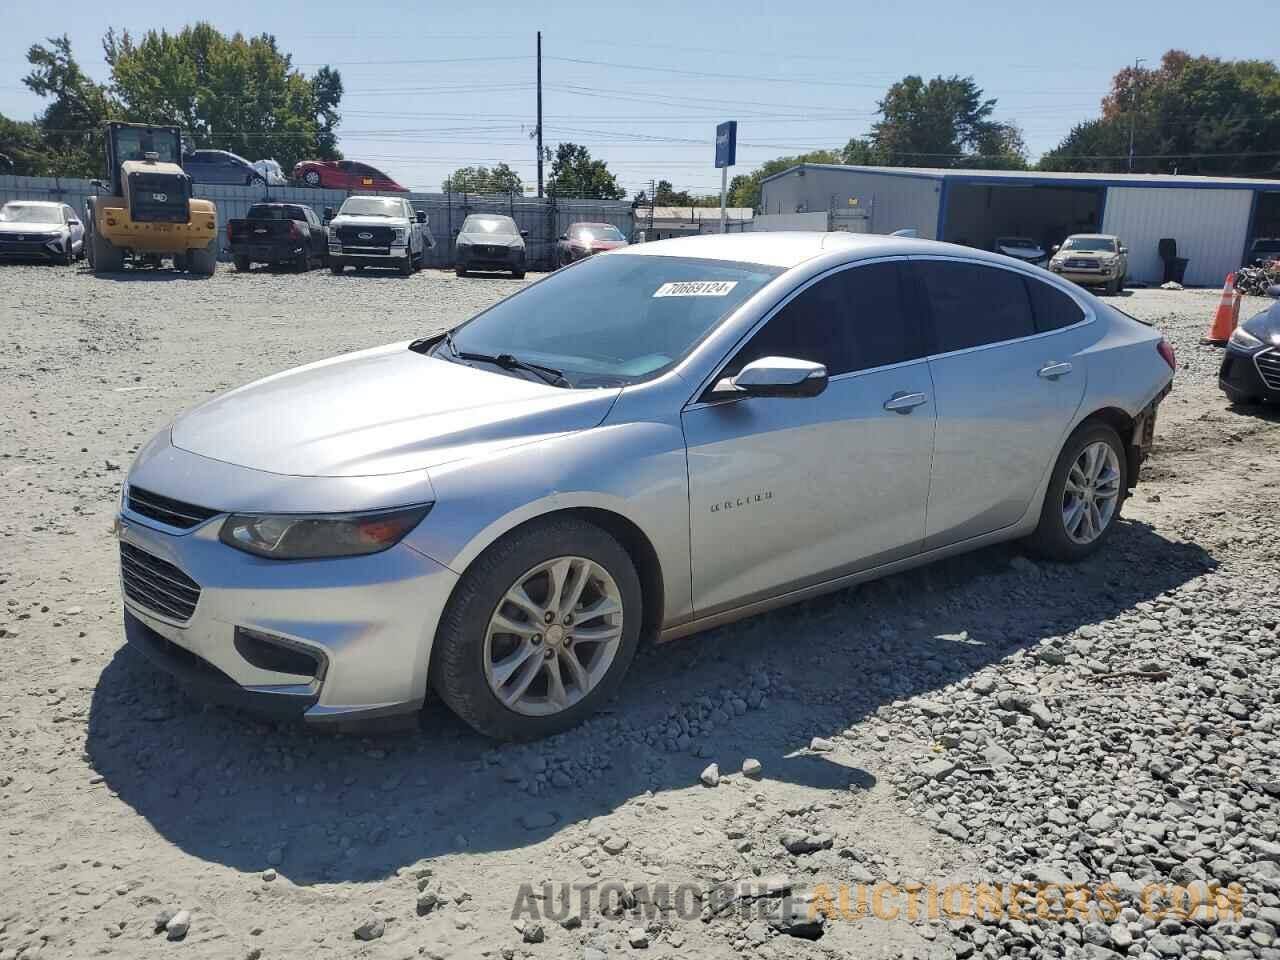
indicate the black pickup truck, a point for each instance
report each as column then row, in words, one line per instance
column 278, row 233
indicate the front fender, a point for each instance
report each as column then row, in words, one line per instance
column 635, row 470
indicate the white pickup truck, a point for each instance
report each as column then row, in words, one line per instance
column 378, row 232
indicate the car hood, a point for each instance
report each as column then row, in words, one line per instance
column 348, row 220
column 1020, row 253
column 1085, row 255
column 491, row 240
column 381, row 411
column 8, row 226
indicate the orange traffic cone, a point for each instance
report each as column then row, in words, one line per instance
column 1228, row 312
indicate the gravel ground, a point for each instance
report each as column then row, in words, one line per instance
column 987, row 720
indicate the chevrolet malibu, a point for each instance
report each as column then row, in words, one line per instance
column 643, row 445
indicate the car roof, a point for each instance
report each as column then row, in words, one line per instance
column 789, row 249
column 1092, row 236
column 34, row 203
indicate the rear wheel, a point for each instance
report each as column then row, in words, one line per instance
column 107, row 257
column 302, row 263
column 1085, row 494
column 459, row 271
column 311, row 178
column 204, row 260
column 242, row 264
column 539, row 631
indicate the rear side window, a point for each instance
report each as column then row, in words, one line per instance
column 1053, row 308
column 853, row 320
column 974, row 304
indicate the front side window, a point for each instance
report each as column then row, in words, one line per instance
column 973, row 304
column 611, row 321
column 853, row 320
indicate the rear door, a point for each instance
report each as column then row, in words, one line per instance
column 1009, row 370
column 784, row 493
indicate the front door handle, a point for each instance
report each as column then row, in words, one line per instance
column 1052, row 371
column 905, row 402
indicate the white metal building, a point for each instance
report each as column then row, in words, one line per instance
column 1212, row 219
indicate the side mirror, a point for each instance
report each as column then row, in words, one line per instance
column 775, row 377
column 422, row 216
column 456, row 231
column 1055, row 248
column 100, row 184
column 73, row 222
column 1124, row 249
column 328, row 214
column 524, row 233
column 564, row 236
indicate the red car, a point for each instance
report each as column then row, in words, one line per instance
column 343, row 175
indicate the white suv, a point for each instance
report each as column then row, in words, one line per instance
column 378, row 232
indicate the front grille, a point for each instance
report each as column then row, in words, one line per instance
column 1268, row 363
column 175, row 513
column 377, row 236
column 1082, row 265
column 157, row 584
column 491, row 251
column 23, row 244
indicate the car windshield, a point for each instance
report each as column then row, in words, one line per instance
column 1101, row 244
column 498, row 226
column 21, row 213
column 371, row 207
column 597, row 231
column 610, row 321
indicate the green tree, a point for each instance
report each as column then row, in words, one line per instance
column 744, row 189
column 22, row 149
column 944, row 122
column 1192, row 114
column 227, row 92
column 499, row 179
column 67, row 137
column 575, row 174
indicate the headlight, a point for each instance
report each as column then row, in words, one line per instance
column 1241, row 337
column 400, row 235
column 308, row 537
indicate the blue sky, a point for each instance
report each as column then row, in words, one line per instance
column 662, row 73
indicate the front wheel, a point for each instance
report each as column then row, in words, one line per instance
column 406, row 267
column 242, row 264
column 539, row 631
column 1085, row 494
column 336, row 268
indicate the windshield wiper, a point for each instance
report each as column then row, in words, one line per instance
column 507, row 362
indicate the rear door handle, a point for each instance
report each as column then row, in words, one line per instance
column 1052, row 371
column 905, row 402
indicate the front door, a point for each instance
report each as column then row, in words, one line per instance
column 1008, row 369
column 784, row 493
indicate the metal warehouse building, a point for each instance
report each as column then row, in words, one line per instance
column 1213, row 219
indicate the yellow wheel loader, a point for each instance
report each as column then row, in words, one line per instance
column 148, row 215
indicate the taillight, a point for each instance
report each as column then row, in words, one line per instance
column 1166, row 351
column 229, row 231
column 294, row 232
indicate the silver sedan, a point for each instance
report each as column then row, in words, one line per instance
column 646, row 444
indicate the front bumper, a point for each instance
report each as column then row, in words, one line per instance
column 36, row 248
column 1087, row 278
column 368, row 621
column 267, row 253
column 393, row 256
column 1241, row 375
column 476, row 258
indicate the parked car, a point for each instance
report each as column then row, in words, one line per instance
column 1092, row 260
column 649, row 444
column 1250, row 369
column 343, row 175
column 379, row 232
column 40, row 230
column 1022, row 248
column 581, row 240
column 1262, row 251
column 271, row 172
column 220, row 166
column 278, row 233
column 490, row 241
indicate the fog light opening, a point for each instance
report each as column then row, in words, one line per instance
column 266, row 651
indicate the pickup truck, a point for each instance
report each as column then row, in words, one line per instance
column 378, row 232
column 278, row 233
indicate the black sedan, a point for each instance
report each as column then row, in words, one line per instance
column 1251, row 368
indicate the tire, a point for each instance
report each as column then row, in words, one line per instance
column 406, row 268
column 68, row 255
column 462, row 652
column 311, row 178
column 302, row 263
column 1112, row 287
column 336, row 267
column 180, row 262
column 242, row 264
column 1052, row 539
column 517, row 274
column 459, row 271
column 107, row 257
column 203, row 261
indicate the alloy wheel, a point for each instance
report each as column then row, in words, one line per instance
column 1092, row 492
column 553, row 636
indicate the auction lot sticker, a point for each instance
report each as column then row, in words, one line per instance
column 696, row 288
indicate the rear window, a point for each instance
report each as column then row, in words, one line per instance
column 276, row 213
column 974, row 304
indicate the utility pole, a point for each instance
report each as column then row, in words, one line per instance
column 1133, row 107
column 540, row 114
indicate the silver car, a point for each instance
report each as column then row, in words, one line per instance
column 645, row 444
